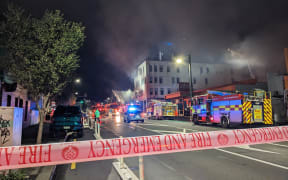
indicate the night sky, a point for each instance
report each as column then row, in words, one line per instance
column 120, row 33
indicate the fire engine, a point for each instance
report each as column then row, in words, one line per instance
column 232, row 109
column 164, row 110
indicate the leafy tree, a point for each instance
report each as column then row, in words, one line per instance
column 41, row 53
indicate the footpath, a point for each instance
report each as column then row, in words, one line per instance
column 29, row 136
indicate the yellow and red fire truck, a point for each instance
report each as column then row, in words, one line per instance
column 232, row 109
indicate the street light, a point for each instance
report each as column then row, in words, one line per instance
column 77, row 80
column 76, row 93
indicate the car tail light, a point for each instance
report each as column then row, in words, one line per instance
column 211, row 118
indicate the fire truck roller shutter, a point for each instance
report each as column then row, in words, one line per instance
column 247, row 114
column 268, row 111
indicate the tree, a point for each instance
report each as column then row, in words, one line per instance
column 42, row 53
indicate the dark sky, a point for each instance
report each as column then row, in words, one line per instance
column 120, row 33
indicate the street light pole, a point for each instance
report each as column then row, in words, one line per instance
column 191, row 83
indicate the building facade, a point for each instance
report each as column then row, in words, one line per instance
column 153, row 79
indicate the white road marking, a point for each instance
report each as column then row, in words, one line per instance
column 256, row 149
column 168, row 126
column 168, row 131
column 254, row 159
column 281, row 145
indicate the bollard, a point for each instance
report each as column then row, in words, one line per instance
column 98, row 128
column 141, row 168
column 121, row 160
column 184, row 130
column 95, row 128
column 73, row 164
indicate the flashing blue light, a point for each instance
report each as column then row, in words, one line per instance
column 169, row 43
column 245, row 93
column 131, row 109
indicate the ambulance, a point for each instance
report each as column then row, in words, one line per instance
column 229, row 109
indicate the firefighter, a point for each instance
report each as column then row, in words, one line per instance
column 97, row 116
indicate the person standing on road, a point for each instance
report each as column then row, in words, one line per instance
column 97, row 116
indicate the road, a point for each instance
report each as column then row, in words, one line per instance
column 265, row 161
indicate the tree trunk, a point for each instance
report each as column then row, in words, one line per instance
column 40, row 129
column 42, row 112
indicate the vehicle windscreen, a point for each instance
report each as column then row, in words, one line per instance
column 67, row 110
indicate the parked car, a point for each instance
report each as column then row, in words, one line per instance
column 67, row 119
column 133, row 113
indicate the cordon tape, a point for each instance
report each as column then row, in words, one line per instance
column 13, row 157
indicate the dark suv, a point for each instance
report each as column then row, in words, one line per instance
column 67, row 119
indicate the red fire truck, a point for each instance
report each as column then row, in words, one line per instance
column 228, row 109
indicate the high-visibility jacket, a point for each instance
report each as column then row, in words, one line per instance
column 97, row 113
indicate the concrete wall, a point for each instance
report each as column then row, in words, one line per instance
column 21, row 94
column 11, row 126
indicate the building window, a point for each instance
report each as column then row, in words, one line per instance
column 178, row 80
column 173, row 80
column 160, row 80
column 150, row 68
column 151, row 91
column 168, row 68
column 155, row 80
column 161, row 68
column 178, row 70
column 207, row 69
column 168, row 90
column 21, row 103
column 151, row 79
column 16, row 102
column 162, row 91
column 156, row 91
column 206, row 81
column 201, row 70
column 8, row 100
column 155, row 68
column 194, row 80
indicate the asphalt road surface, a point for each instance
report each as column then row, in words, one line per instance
column 265, row 161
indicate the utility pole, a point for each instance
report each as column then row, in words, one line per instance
column 191, row 83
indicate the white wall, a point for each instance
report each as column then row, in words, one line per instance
column 10, row 126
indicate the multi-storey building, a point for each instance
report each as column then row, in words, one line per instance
column 153, row 79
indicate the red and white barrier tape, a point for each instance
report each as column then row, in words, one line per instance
column 82, row 151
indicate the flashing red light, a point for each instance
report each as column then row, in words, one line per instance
column 211, row 118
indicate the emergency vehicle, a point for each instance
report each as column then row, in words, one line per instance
column 164, row 110
column 226, row 108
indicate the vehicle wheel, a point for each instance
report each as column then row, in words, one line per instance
column 195, row 120
column 225, row 122
column 80, row 133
